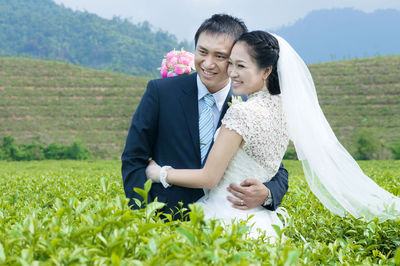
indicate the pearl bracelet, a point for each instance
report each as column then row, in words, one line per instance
column 163, row 176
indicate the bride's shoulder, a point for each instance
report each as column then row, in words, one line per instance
column 238, row 108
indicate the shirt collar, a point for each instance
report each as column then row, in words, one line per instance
column 219, row 96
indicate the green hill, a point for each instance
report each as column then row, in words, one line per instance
column 42, row 29
column 363, row 93
column 61, row 102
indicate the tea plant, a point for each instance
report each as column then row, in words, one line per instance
column 69, row 212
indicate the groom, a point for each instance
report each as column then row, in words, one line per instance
column 165, row 126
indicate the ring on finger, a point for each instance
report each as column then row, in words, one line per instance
column 241, row 202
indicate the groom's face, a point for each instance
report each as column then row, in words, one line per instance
column 211, row 59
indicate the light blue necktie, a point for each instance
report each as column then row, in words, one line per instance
column 206, row 125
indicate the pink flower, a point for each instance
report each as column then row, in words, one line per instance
column 185, row 60
column 179, row 69
column 177, row 63
column 188, row 69
column 171, row 63
column 164, row 71
column 172, row 54
column 189, row 56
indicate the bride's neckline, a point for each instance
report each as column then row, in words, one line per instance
column 263, row 92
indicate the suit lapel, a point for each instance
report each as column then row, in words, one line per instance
column 225, row 106
column 190, row 109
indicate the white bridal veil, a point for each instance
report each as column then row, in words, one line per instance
column 332, row 174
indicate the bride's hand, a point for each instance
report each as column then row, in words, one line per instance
column 153, row 171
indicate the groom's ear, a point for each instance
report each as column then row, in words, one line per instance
column 267, row 72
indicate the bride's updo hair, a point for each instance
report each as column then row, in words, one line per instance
column 264, row 49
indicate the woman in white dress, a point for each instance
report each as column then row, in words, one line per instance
column 254, row 136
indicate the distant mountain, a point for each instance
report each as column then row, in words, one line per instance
column 43, row 29
column 336, row 34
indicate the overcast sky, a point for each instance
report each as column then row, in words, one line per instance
column 182, row 17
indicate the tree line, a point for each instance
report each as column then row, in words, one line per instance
column 11, row 151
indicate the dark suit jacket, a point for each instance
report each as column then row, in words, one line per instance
column 165, row 127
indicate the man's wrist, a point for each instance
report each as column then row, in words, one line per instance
column 268, row 200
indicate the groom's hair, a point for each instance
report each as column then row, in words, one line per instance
column 222, row 24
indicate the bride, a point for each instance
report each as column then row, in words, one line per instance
column 282, row 105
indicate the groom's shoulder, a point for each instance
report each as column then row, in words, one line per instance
column 174, row 83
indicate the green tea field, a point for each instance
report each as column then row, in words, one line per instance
column 75, row 213
column 58, row 102
column 360, row 93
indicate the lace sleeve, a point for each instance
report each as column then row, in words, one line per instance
column 262, row 126
column 236, row 119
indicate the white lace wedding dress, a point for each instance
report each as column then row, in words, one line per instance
column 261, row 123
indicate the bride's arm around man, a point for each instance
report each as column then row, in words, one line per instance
column 165, row 126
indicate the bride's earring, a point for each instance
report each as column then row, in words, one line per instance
column 266, row 75
column 265, row 87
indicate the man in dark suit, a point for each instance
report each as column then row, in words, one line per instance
column 165, row 126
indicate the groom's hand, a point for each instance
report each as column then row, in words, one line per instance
column 250, row 194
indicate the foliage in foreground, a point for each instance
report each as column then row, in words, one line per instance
column 68, row 212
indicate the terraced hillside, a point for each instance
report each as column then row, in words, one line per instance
column 61, row 102
column 361, row 93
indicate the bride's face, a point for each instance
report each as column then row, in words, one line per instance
column 244, row 72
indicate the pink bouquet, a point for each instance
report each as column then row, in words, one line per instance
column 177, row 63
